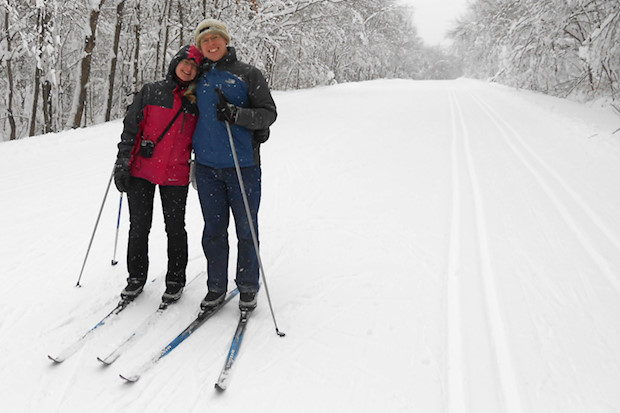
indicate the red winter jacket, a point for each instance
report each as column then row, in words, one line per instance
column 147, row 117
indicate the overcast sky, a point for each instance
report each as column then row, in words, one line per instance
column 433, row 18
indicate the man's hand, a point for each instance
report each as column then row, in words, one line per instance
column 226, row 111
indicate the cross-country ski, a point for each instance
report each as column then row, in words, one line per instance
column 233, row 352
column 77, row 344
column 200, row 319
column 138, row 332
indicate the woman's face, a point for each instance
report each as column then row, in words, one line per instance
column 186, row 70
column 213, row 47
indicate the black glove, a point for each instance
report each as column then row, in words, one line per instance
column 261, row 135
column 226, row 111
column 122, row 177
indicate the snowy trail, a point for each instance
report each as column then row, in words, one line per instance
column 500, row 370
column 522, row 151
column 429, row 246
column 455, row 362
column 579, row 221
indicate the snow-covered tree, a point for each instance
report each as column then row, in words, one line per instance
column 70, row 63
column 561, row 47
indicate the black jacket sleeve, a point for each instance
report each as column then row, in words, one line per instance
column 131, row 128
column 262, row 109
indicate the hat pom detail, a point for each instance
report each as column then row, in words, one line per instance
column 195, row 54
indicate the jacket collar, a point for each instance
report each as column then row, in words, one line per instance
column 229, row 58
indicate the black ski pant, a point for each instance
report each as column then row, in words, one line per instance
column 140, row 196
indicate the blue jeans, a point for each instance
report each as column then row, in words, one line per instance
column 219, row 193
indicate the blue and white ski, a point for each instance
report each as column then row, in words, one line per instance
column 200, row 319
column 235, row 346
column 77, row 344
column 138, row 332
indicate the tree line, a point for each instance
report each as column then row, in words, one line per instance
column 73, row 63
column 559, row 47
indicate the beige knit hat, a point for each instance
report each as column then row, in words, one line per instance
column 210, row 26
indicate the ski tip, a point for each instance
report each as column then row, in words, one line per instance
column 106, row 361
column 129, row 379
column 220, row 387
column 56, row 360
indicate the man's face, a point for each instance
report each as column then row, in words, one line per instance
column 213, row 47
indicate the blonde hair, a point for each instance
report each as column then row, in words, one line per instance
column 190, row 92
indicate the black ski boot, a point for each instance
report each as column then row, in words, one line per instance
column 247, row 301
column 172, row 294
column 212, row 299
column 133, row 289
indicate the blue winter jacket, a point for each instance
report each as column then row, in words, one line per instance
column 244, row 86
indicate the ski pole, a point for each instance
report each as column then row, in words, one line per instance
column 95, row 229
column 118, row 224
column 250, row 221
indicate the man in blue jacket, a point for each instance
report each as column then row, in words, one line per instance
column 250, row 110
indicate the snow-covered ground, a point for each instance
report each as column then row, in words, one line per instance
column 436, row 246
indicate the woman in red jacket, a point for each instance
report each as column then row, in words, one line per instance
column 155, row 149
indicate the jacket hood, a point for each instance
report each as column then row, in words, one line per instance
column 186, row 52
